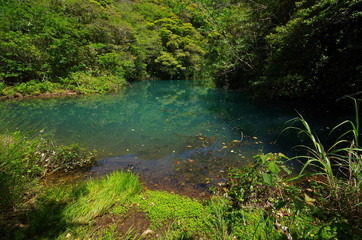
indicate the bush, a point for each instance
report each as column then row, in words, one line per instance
column 8, row 92
column 85, row 83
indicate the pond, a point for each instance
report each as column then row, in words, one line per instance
column 175, row 133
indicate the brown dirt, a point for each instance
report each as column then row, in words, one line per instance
column 136, row 220
column 133, row 220
column 180, row 189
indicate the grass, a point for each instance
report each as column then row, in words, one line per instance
column 75, row 209
column 99, row 195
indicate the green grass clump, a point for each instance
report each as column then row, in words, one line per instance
column 71, row 210
column 12, row 171
column 99, row 195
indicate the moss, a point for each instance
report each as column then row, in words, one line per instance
column 164, row 208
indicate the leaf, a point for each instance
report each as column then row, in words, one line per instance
column 309, row 200
column 287, row 170
column 273, row 167
column 268, row 178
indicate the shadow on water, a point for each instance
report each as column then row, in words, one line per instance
column 172, row 133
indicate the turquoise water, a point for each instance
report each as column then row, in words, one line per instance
column 164, row 130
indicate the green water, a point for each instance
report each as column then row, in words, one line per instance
column 161, row 129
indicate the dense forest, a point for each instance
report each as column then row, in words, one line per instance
column 308, row 49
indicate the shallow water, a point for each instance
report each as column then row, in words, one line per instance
column 167, row 131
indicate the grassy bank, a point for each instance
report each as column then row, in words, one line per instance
column 118, row 207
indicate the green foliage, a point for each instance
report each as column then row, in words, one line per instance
column 293, row 49
column 12, row 172
column 322, row 202
column 262, row 203
column 97, row 196
column 182, row 50
column 33, row 88
column 240, row 44
column 84, row 83
column 44, row 41
column 162, row 207
column 24, row 160
column 256, row 183
column 324, row 36
column 340, row 165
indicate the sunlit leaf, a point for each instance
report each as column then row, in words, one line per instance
column 273, row 167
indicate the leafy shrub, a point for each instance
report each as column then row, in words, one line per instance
column 8, row 91
column 47, row 157
column 259, row 182
column 85, row 83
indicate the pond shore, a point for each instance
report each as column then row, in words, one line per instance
column 18, row 96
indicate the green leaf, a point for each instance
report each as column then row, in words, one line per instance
column 287, row 170
column 273, row 167
column 268, row 178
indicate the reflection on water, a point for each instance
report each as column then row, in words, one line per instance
column 161, row 129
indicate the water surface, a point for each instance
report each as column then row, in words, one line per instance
column 173, row 131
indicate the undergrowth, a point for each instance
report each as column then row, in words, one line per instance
column 24, row 160
column 322, row 202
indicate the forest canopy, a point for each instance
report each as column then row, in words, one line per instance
column 278, row 49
